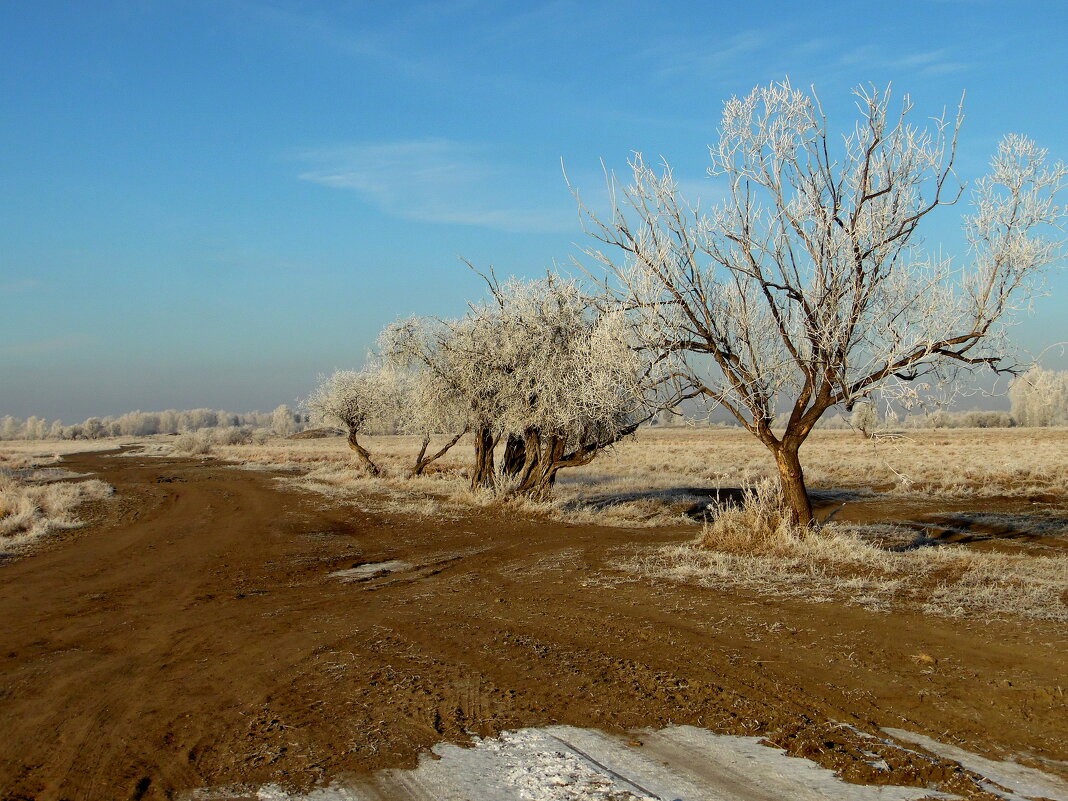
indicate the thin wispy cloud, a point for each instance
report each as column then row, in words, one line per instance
column 361, row 42
column 939, row 61
column 770, row 51
column 438, row 181
column 703, row 55
column 396, row 40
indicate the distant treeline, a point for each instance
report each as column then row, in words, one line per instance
column 1039, row 399
column 282, row 421
column 941, row 418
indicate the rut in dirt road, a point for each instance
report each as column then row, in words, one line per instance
column 212, row 627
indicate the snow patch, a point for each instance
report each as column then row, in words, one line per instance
column 1016, row 782
column 561, row 763
column 370, row 570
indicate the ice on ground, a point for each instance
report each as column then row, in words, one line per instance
column 561, row 763
column 1016, row 782
column 370, row 570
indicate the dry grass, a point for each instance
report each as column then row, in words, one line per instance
column 33, row 504
column 327, row 466
column 192, row 444
column 47, row 449
column 656, row 477
column 753, row 546
column 939, row 463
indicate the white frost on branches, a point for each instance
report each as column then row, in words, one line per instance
column 808, row 286
column 535, row 365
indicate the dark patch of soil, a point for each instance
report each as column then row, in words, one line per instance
column 316, row 433
column 1008, row 525
column 193, row 636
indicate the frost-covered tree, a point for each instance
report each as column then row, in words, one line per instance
column 807, row 287
column 36, row 427
column 93, row 428
column 1040, row 397
column 196, row 419
column 283, row 422
column 169, row 422
column 432, row 398
column 536, row 367
column 10, row 427
column 572, row 383
column 452, row 377
column 865, row 418
column 356, row 401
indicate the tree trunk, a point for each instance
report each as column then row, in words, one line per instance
column 792, row 481
column 422, row 460
column 515, row 455
column 364, row 456
column 482, row 476
column 417, row 468
column 527, row 474
column 541, row 475
column 547, row 456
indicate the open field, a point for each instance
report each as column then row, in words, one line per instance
column 1025, row 463
column 230, row 626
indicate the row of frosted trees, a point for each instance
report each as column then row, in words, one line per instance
column 282, row 421
column 1040, row 398
column 806, row 289
column 536, row 369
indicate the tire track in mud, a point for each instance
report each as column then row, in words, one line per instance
column 194, row 637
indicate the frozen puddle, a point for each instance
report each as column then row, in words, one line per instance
column 370, row 570
column 561, row 763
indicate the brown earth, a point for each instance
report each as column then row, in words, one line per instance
column 193, row 636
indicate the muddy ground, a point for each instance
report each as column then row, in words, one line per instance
column 193, row 635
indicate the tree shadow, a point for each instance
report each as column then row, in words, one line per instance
column 984, row 527
column 700, row 501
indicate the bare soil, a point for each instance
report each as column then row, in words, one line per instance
column 211, row 628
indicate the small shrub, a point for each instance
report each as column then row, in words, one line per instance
column 759, row 525
column 231, row 435
column 191, row 444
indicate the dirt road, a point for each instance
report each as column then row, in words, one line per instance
column 210, row 628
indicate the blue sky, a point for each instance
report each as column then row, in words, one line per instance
column 210, row 203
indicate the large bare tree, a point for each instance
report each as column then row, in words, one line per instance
column 807, row 287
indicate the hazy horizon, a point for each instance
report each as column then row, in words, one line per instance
column 210, row 204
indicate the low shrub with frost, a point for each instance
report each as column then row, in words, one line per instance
column 231, row 435
column 752, row 545
column 192, row 444
column 31, row 511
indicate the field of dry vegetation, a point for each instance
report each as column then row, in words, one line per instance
column 956, row 522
